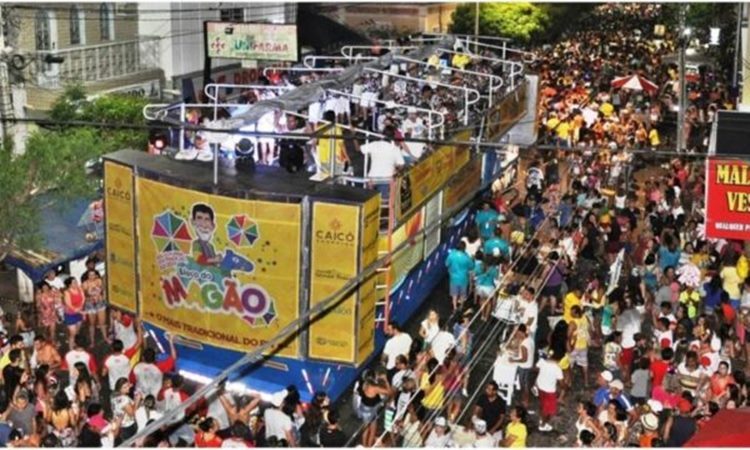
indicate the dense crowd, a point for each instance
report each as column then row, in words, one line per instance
column 580, row 106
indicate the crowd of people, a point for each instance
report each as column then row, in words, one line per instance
column 595, row 290
column 581, row 108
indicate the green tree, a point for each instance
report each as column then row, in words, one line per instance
column 55, row 160
column 514, row 20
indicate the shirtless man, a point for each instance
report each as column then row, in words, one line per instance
column 45, row 353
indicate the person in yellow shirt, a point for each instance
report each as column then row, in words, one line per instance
column 607, row 109
column 516, row 431
column 15, row 342
column 578, row 335
column 330, row 141
column 743, row 266
column 552, row 122
column 692, row 299
column 653, row 137
column 573, row 298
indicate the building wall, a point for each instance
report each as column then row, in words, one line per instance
column 402, row 17
column 125, row 19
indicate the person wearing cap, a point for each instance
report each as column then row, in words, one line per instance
column 484, row 438
column 496, row 242
column 617, row 393
column 650, row 422
column 279, row 424
column 680, row 427
column 601, row 395
column 438, row 437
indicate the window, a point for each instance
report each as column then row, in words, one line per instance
column 106, row 22
column 43, row 31
column 77, row 26
column 232, row 15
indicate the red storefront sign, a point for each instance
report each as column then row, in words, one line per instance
column 728, row 199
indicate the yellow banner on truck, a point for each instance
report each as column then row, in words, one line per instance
column 334, row 261
column 427, row 176
column 120, row 237
column 218, row 270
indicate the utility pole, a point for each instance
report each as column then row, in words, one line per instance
column 476, row 27
column 737, row 45
column 6, row 100
column 682, row 42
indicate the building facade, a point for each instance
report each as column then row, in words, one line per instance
column 383, row 18
column 96, row 44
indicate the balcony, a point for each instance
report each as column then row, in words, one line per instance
column 95, row 63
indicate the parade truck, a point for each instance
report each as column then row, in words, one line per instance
column 224, row 260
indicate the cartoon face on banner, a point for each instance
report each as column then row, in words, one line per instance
column 218, row 270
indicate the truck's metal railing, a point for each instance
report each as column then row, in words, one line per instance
column 348, row 50
column 495, row 82
column 212, row 89
column 437, row 124
column 302, row 69
column 468, row 100
column 309, row 60
column 526, row 57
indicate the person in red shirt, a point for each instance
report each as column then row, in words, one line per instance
column 660, row 367
column 206, row 436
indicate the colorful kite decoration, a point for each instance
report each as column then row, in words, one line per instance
column 171, row 233
column 242, row 231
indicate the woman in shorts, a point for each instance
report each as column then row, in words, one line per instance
column 95, row 308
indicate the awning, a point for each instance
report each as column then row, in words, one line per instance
column 728, row 428
column 64, row 240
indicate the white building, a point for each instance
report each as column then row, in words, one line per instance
column 180, row 27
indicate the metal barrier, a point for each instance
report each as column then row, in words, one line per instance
column 467, row 101
column 314, row 58
column 348, row 50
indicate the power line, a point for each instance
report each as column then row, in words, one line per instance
column 164, row 125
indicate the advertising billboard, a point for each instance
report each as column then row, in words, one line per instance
column 728, row 199
column 218, row 270
column 334, row 261
column 120, row 236
column 427, row 176
column 251, row 41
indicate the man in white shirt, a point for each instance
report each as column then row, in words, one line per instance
column 278, row 424
column 385, row 156
column 79, row 354
column 443, row 342
column 414, row 127
column 547, row 380
column 529, row 310
column 116, row 365
column 525, row 360
column 148, row 374
column 398, row 344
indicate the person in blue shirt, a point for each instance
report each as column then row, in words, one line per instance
column 486, row 278
column 496, row 242
column 669, row 254
column 486, row 220
column 460, row 266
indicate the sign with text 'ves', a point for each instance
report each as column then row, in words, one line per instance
column 728, row 199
